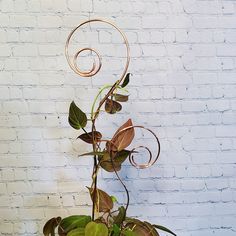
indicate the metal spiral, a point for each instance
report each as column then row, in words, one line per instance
column 111, row 146
column 151, row 159
column 95, row 68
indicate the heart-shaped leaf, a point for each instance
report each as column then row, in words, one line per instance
column 77, row 118
column 122, row 138
column 88, row 137
column 106, row 163
column 112, row 107
column 164, row 229
column 103, row 201
column 121, row 97
column 115, row 230
column 128, row 232
column 126, row 81
column 73, row 222
column 141, row 228
column 118, row 220
column 96, row 229
column 50, row 226
column 77, row 232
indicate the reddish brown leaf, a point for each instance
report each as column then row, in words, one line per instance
column 103, row 201
column 88, row 137
column 121, row 97
column 49, row 227
column 122, row 138
column 112, row 106
column 141, row 228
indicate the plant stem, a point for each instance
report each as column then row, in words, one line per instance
column 96, row 98
column 94, row 116
column 84, row 130
column 94, row 175
column 126, row 190
column 99, row 93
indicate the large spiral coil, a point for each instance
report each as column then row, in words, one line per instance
column 72, row 61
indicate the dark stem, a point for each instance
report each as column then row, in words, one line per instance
column 126, row 190
column 84, row 130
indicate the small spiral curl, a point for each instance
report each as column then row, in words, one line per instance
column 95, row 69
column 151, row 160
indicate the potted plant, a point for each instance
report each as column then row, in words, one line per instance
column 109, row 155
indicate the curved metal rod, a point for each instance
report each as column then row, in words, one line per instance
column 92, row 71
column 151, row 161
column 95, row 69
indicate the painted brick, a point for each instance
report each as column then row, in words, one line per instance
column 22, row 21
column 49, row 21
column 19, row 187
column 6, row 228
column 154, row 22
column 5, row 51
column 183, row 87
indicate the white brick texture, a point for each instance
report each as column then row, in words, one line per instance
column 183, row 61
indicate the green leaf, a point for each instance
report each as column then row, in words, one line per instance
column 128, row 232
column 121, row 97
column 88, row 137
column 77, row 232
column 114, row 199
column 77, row 118
column 115, row 230
column 118, row 158
column 103, row 201
column 126, row 81
column 164, row 229
column 96, row 229
column 73, row 222
column 92, row 154
column 120, row 217
column 50, row 226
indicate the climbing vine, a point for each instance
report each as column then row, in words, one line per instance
column 107, row 154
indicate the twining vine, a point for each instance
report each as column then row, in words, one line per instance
column 108, row 154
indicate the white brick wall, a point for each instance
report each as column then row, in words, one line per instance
column 183, row 87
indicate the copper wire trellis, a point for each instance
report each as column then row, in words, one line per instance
column 72, row 61
column 95, row 69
